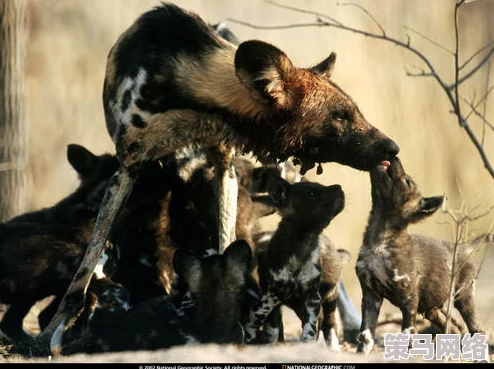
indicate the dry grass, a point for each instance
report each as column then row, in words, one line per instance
column 69, row 41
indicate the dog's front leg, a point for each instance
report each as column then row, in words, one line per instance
column 118, row 190
column 258, row 315
column 308, row 313
column 371, row 305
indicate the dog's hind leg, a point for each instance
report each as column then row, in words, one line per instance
column 349, row 315
column 73, row 301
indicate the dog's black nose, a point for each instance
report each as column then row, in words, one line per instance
column 390, row 149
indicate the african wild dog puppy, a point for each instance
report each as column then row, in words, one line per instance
column 162, row 93
column 40, row 250
column 411, row 271
column 289, row 270
column 210, row 311
column 94, row 173
column 331, row 261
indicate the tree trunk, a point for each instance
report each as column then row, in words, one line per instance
column 13, row 127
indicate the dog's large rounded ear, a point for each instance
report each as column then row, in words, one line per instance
column 188, row 267
column 426, row 207
column 239, row 255
column 265, row 71
column 222, row 30
column 81, row 159
column 278, row 190
column 325, row 68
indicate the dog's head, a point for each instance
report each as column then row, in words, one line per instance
column 318, row 121
column 398, row 196
column 218, row 285
column 306, row 203
column 93, row 170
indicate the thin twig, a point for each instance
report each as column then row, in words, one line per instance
column 383, row 32
column 487, row 77
column 482, row 99
column 288, row 26
column 422, row 73
column 491, row 43
column 430, row 40
column 476, row 68
column 304, row 11
column 481, row 116
column 452, row 280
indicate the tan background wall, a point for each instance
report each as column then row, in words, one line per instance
column 70, row 39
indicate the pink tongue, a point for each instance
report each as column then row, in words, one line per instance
column 385, row 163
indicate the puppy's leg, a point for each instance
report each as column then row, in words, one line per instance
column 257, row 315
column 329, row 324
column 308, row 313
column 349, row 315
column 409, row 313
column 273, row 327
column 465, row 302
column 371, row 304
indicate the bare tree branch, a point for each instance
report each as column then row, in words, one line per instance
column 476, row 68
column 288, row 26
column 457, row 63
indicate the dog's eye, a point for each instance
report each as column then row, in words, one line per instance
column 341, row 115
column 312, row 193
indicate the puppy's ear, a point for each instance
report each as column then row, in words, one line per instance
column 426, row 207
column 239, row 256
column 81, row 159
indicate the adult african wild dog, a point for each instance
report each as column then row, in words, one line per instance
column 210, row 311
column 289, row 269
column 411, row 271
column 163, row 92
